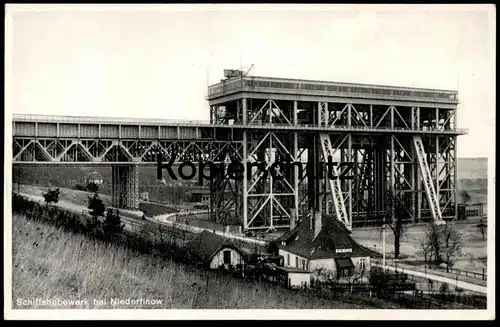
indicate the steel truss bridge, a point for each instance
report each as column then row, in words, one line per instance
column 402, row 142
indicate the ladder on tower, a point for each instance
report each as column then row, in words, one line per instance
column 335, row 186
column 432, row 196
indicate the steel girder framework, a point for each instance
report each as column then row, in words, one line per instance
column 384, row 164
column 375, row 137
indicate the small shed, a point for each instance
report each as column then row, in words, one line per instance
column 216, row 252
column 200, row 195
column 295, row 277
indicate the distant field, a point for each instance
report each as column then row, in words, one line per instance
column 473, row 254
column 472, row 168
column 49, row 263
column 476, row 189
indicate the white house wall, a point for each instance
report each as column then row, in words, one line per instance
column 326, row 264
column 218, row 259
column 293, row 259
column 356, row 262
column 323, row 264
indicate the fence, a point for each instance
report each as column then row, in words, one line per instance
column 368, row 288
column 472, row 210
column 467, row 273
column 453, row 271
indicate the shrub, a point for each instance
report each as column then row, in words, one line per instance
column 92, row 187
column 112, row 225
column 96, row 206
column 79, row 187
column 51, row 196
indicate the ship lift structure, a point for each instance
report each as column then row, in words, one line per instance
column 399, row 143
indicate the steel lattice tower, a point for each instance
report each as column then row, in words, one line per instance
column 401, row 141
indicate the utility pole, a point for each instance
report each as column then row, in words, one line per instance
column 383, row 242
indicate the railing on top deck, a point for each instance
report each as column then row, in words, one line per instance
column 341, row 89
column 115, row 120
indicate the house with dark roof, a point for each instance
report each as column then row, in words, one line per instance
column 200, row 195
column 215, row 252
column 94, row 177
column 322, row 243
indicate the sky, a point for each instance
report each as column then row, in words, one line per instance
column 156, row 61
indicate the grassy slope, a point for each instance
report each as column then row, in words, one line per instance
column 50, row 263
column 73, row 198
column 68, row 195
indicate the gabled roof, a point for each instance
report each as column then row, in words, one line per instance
column 206, row 245
column 333, row 236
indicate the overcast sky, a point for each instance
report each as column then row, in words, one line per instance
column 156, row 62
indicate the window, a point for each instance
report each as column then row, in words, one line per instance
column 288, row 260
column 345, row 272
column 362, row 263
column 297, row 262
column 227, row 257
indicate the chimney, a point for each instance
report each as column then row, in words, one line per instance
column 318, row 223
column 293, row 218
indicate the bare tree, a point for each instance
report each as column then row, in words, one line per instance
column 394, row 219
column 426, row 248
column 323, row 275
column 432, row 238
column 358, row 274
column 451, row 243
column 482, row 228
column 465, row 196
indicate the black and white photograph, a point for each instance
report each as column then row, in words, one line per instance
column 304, row 162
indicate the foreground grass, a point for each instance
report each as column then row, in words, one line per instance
column 51, row 264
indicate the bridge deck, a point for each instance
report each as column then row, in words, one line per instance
column 81, row 120
column 104, row 140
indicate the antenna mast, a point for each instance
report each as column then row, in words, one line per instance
column 246, row 73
